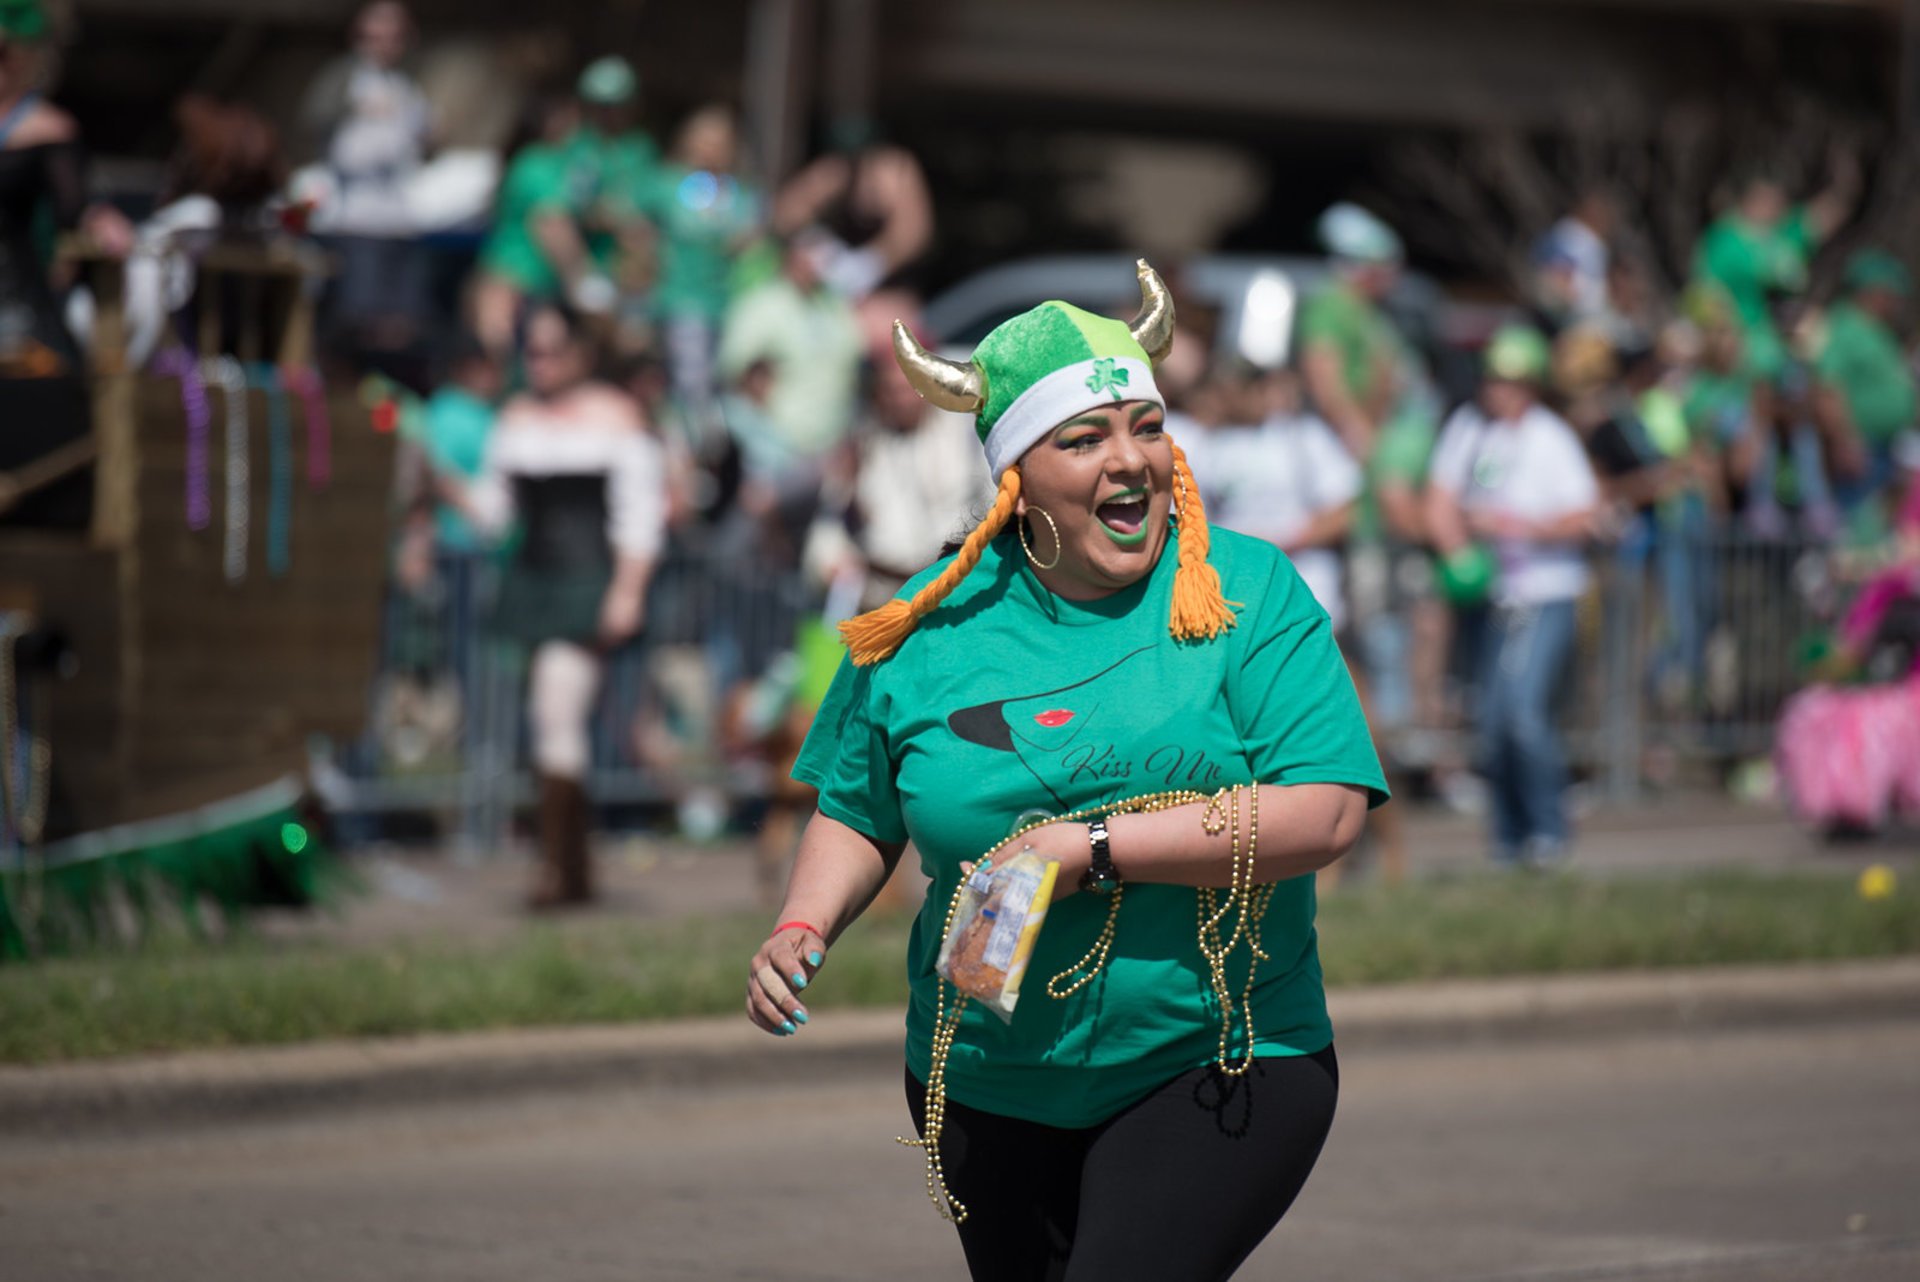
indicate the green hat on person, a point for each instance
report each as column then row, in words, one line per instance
column 608, row 82
column 1518, row 354
column 1350, row 232
column 23, row 19
column 1877, row 269
column 1039, row 369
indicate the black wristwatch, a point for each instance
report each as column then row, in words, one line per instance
column 1101, row 877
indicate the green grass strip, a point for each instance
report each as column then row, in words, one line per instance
column 187, row 994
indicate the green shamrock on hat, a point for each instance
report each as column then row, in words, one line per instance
column 1106, row 378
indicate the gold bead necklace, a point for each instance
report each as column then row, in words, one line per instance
column 1244, row 900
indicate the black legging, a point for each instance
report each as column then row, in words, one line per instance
column 1180, row 1187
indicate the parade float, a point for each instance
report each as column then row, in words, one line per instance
column 200, row 602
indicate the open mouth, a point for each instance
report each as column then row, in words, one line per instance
column 1125, row 516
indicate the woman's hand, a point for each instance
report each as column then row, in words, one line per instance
column 1064, row 841
column 621, row 611
column 786, row 963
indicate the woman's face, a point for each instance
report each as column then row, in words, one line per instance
column 1106, row 479
column 707, row 142
column 553, row 359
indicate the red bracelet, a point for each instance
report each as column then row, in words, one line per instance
column 800, row 925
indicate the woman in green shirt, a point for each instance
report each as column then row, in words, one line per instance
column 1156, row 1118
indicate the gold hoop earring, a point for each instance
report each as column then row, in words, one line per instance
column 1179, row 498
column 1027, row 547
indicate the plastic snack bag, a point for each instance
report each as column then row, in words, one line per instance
column 995, row 924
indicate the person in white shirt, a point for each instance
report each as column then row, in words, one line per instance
column 374, row 122
column 1509, row 476
column 1290, row 481
column 915, row 483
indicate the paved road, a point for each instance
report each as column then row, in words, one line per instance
column 1758, row 1156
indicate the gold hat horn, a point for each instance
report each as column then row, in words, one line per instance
column 1153, row 327
column 950, row 385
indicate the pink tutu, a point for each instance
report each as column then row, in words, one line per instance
column 1851, row 757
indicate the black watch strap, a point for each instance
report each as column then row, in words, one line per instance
column 1101, row 875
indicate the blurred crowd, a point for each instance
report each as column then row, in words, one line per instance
column 1657, row 438
column 660, row 402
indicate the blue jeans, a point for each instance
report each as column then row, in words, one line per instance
column 1520, row 753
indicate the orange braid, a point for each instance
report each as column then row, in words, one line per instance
column 1200, row 608
column 875, row 635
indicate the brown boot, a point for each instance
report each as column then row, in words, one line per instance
column 565, row 875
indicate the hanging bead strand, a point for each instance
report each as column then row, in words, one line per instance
column 177, row 362
column 225, row 373
column 279, row 468
column 305, row 382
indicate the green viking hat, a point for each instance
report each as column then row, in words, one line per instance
column 1044, row 366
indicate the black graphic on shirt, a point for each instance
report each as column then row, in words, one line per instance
column 1086, row 736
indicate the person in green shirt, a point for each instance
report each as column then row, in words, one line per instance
column 1362, row 377
column 1761, row 246
column 1725, row 405
column 705, row 217
column 454, row 426
column 612, row 168
column 513, row 268
column 569, row 221
column 1092, row 643
column 1350, row 355
column 1861, row 355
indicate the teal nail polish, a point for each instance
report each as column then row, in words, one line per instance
column 813, row 959
column 799, row 980
column 788, row 1027
column 800, row 1015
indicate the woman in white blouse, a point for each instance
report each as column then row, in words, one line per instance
column 572, row 466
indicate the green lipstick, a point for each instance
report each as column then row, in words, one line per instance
column 1126, row 538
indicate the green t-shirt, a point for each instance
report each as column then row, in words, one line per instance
column 536, row 182
column 1368, row 344
column 1863, row 359
column 610, row 180
column 1748, row 261
column 1008, row 700
column 1358, row 330
column 704, row 221
column 585, row 176
column 621, row 169
column 455, row 428
column 1400, row 457
column 1719, row 405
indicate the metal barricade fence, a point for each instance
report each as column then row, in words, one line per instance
column 1703, row 638
column 1689, row 646
column 446, row 736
